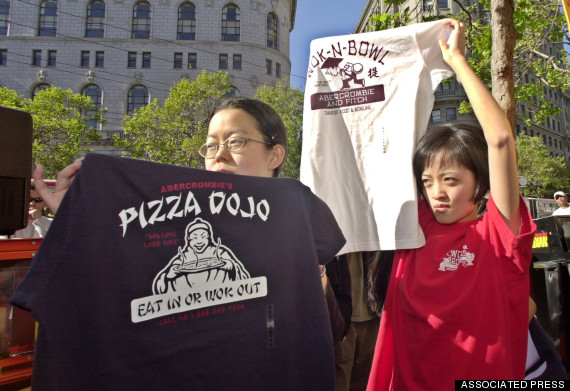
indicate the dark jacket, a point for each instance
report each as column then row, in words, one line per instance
column 339, row 280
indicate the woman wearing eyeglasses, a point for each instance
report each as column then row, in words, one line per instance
column 38, row 223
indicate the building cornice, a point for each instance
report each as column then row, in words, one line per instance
column 293, row 13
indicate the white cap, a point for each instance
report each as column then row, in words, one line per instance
column 559, row 194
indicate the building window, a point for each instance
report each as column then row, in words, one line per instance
column 95, row 26
column 186, row 22
column 272, row 31
column 94, row 92
column 48, row 19
column 138, row 97
column 532, row 133
column 230, row 23
column 3, row 56
column 237, row 61
column 39, row 87
column 99, row 59
column 436, row 115
column 450, row 114
column 178, row 60
column 428, row 5
column 4, row 12
column 268, row 67
column 146, row 60
column 223, row 61
column 84, row 58
column 132, row 60
column 444, row 86
column 37, row 58
column 278, row 70
column 442, row 4
column 141, row 21
column 233, row 92
column 192, row 60
column 52, row 56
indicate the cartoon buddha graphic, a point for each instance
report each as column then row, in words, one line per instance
column 201, row 261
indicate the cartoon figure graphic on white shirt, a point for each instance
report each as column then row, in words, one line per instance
column 350, row 73
column 200, row 261
column 455, row 258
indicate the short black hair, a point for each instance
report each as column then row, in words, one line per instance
column 454, row 143
column 270, row 123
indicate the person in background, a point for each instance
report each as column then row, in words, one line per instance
column 38, row 222
column 348, row 277
column 562, row 201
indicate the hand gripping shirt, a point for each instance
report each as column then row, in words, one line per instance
column 457, row 308
column 368, row 100
column 157, row 277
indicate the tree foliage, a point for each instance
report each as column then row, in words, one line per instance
column 288, row 102
column 544, row 174
column 173, row 132
column 61, row 121
column 540, row 26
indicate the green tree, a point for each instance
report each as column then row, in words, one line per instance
column 61, row 124
column 545, row 174
column 173, row 132
column 288, row 102
column 509, row 47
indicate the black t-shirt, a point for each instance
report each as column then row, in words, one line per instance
column 155, row 277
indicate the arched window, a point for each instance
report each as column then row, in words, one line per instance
column 272, row 31
column 4, row 12
column 230, row 23
column 94, row 92
column 138, row 97
column 48, row 18
column 141, row 21
column 95, row 26
column 39, row 87
column 186, row 22
column 233, row 92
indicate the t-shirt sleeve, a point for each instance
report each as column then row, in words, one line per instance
column 328, row 237
column 427, row 38
column 516, row 247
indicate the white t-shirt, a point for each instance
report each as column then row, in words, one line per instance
column 562, row 212
column 368, row 100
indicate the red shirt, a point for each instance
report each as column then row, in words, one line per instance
column 456, row 308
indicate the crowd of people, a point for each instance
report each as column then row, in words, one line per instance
column 397, row 322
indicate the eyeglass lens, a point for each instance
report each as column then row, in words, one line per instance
column 36, row 199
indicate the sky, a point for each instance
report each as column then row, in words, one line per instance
column 317, row 19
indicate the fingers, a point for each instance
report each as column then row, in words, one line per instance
column 64, row 179
column 42, row 188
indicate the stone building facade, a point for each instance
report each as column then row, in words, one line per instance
column 125, row 53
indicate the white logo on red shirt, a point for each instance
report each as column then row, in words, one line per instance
column 455, row 258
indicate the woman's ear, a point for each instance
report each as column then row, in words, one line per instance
column 278, row 154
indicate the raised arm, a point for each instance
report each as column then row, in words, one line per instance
column 503, row 172
column 64, row 179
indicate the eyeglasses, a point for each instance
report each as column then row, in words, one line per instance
column 233, row 144
column 36, row 199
